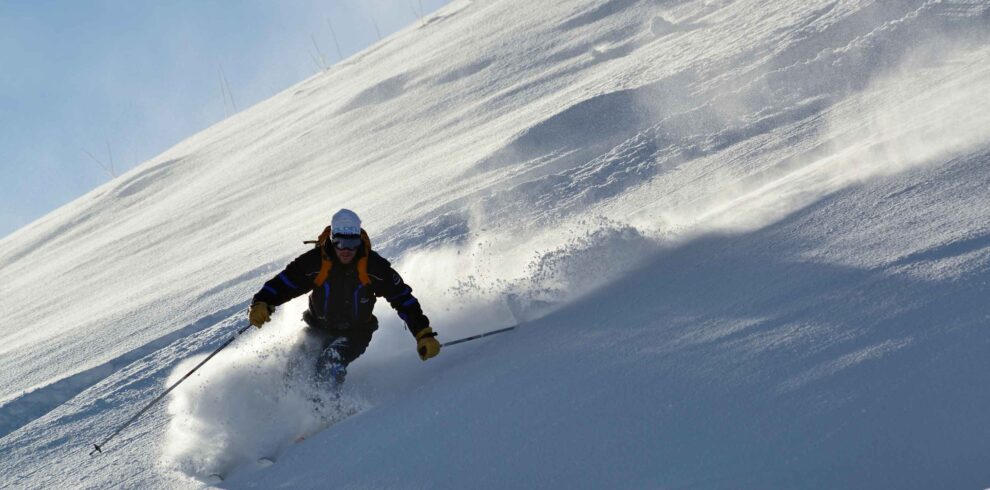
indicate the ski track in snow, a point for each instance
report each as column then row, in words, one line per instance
column 748, row 244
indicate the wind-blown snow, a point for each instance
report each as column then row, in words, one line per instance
column 748, row 245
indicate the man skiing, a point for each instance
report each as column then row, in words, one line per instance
column 343, row 276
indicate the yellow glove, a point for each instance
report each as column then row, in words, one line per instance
column 426, row 343
column 260, row 313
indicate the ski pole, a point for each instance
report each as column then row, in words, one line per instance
column 493, row 332
column 170, row 388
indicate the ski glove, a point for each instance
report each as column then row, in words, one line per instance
column 426, row 343
column 260, row 313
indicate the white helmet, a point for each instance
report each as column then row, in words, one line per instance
column 345, row 222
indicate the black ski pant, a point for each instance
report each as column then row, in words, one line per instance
column 336, row 349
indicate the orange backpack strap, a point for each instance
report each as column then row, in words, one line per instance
column 362, row 265
column 326, row 263
column 324, row 272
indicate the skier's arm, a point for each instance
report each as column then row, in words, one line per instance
column 399, row 295
column 389, row 284
column 295, row 280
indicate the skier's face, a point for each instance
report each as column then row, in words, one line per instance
column 345, row 246
column 346, row 256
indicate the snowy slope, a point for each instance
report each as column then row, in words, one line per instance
column 750, row 246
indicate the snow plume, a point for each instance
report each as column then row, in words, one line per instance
column 494, row 280
column 605, row 251
column 244, row 404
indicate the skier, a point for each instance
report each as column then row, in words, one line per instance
column 343, row 276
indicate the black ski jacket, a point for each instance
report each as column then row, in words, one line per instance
column 342, row 304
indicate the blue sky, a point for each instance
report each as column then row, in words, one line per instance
column 140, row 76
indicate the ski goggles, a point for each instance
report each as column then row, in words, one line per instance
column 346, row 242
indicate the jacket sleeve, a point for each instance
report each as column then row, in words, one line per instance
column 399, row 295
column 295, row 280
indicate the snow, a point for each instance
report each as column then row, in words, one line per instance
column 205, row 437
column 748, row 246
